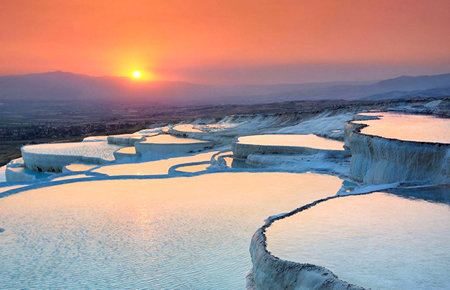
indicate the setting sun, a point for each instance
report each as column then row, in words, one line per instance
column 137, row 74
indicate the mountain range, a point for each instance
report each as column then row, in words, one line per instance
column 64, row 86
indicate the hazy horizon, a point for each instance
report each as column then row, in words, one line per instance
column 287, row 82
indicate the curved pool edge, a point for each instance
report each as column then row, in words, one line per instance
column 270, row 272
column 242, row 150
column 377, row 160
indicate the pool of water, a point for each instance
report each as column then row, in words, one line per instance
column 6, row 188
column 194, row 168
column 380, row 241
column 189, row 233
column 186, row 128
column 195, row 128
column 130, row 136
column 228, row 161
column 169, row 139
column 127, row 150
column 77, row 167
column 70, row 177
column 408, row 127
column 310, row 141
column 153, row 167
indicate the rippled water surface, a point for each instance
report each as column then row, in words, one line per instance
column 186, row 233
column 408, row 127
column 380, row 241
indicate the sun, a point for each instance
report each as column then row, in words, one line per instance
column 137, row 74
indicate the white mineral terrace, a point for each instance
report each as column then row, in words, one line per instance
column 100, row 150
column 195, row 128
column 387, row 150
column 125, row 152
column 417, row 128
column 186, row 128
column 285, row 144
column 167, row 144
column 378, row 241
column 165, row 212
column 53, row 157
column 126, row 139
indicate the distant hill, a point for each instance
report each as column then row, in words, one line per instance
column 404, row 86
column 64, row 86
column 435, row 92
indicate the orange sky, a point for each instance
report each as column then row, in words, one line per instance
column 225, row 41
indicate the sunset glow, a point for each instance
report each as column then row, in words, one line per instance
column 191, row 144
column 137, row 74
column 227, row 41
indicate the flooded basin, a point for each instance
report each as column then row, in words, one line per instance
column 187, row 128
column 378, row 241
column 286, row 144
column 419, row 128
column 190, row 233
column 125, row 152
column 399, row 148
column 78, row 167
column 310, row 140
column 167, row 144
column 194, row 168
column 169, row 139
column 153, row 167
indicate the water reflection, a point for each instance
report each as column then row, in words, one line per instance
column 169, row 139
column 194, row 168
column 127, row 150
column 408, row 127
column 438, row 194
column 187, row 128
column 153, row 167
column 379, row 240
column 161, row 233
column 311, row 141
column 79, row 167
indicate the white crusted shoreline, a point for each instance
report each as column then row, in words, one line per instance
column 270, row 272
column 377, row 160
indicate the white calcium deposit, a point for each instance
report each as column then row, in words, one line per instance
column 379, row 159
column 174, row 207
